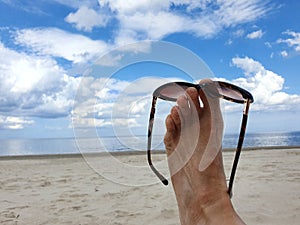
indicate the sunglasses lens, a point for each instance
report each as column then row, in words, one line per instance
column 173, row 91
column 230, row 93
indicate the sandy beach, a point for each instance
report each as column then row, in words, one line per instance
column 121, row 189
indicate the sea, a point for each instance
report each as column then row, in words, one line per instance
column 13, row 147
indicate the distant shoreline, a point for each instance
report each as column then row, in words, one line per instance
column 124, row 153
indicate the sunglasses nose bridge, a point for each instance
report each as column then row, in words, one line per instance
column 210, row 90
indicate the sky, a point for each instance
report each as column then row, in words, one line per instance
column 83, row 68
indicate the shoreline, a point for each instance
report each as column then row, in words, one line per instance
column 126, row 153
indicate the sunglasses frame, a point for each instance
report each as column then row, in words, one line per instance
column 247, row 99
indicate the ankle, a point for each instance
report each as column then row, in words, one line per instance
column 198, row 210
column 221, row 211
column 211, row 209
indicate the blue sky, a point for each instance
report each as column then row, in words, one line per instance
column 52, row 50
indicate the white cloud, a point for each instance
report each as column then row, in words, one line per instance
column 155, row 19
column 58, row 43
column 132, row 6
column 14, row 123
column 248, row 65
column 284, row 53
column 255, row 35
column 293, row 41
column 146, row 19
column 137, row 20
column 34, row 86
column 268, row 44
column 229, row 42
column 95, row 101
column 239, row 33
column 109, row 60
column 102, row 102
column 86, row 18
column 266, row 86
column 153, row 25
column 231, row 12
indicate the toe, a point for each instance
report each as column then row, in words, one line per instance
column 170, row 124
column 194, row 96
column 183, row 104
column 170, row 136
column 175, row 115
column 194, row 101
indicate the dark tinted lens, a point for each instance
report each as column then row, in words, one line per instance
column 172, row 91
column 230, row 93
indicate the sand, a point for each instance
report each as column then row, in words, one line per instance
column 121, row 189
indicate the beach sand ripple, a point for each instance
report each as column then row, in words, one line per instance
column 66, row 190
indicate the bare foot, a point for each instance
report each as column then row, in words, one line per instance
column 193, row 143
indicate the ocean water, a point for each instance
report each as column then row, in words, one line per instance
column 137, row 143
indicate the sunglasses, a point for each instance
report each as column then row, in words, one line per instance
column 171, row 91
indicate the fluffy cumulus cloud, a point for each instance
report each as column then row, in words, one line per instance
column 95, row 101
column 102, row 102
column 266, row 86
column 32, row 86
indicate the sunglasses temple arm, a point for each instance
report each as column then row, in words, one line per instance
column 150, row 127
column 239, row 146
